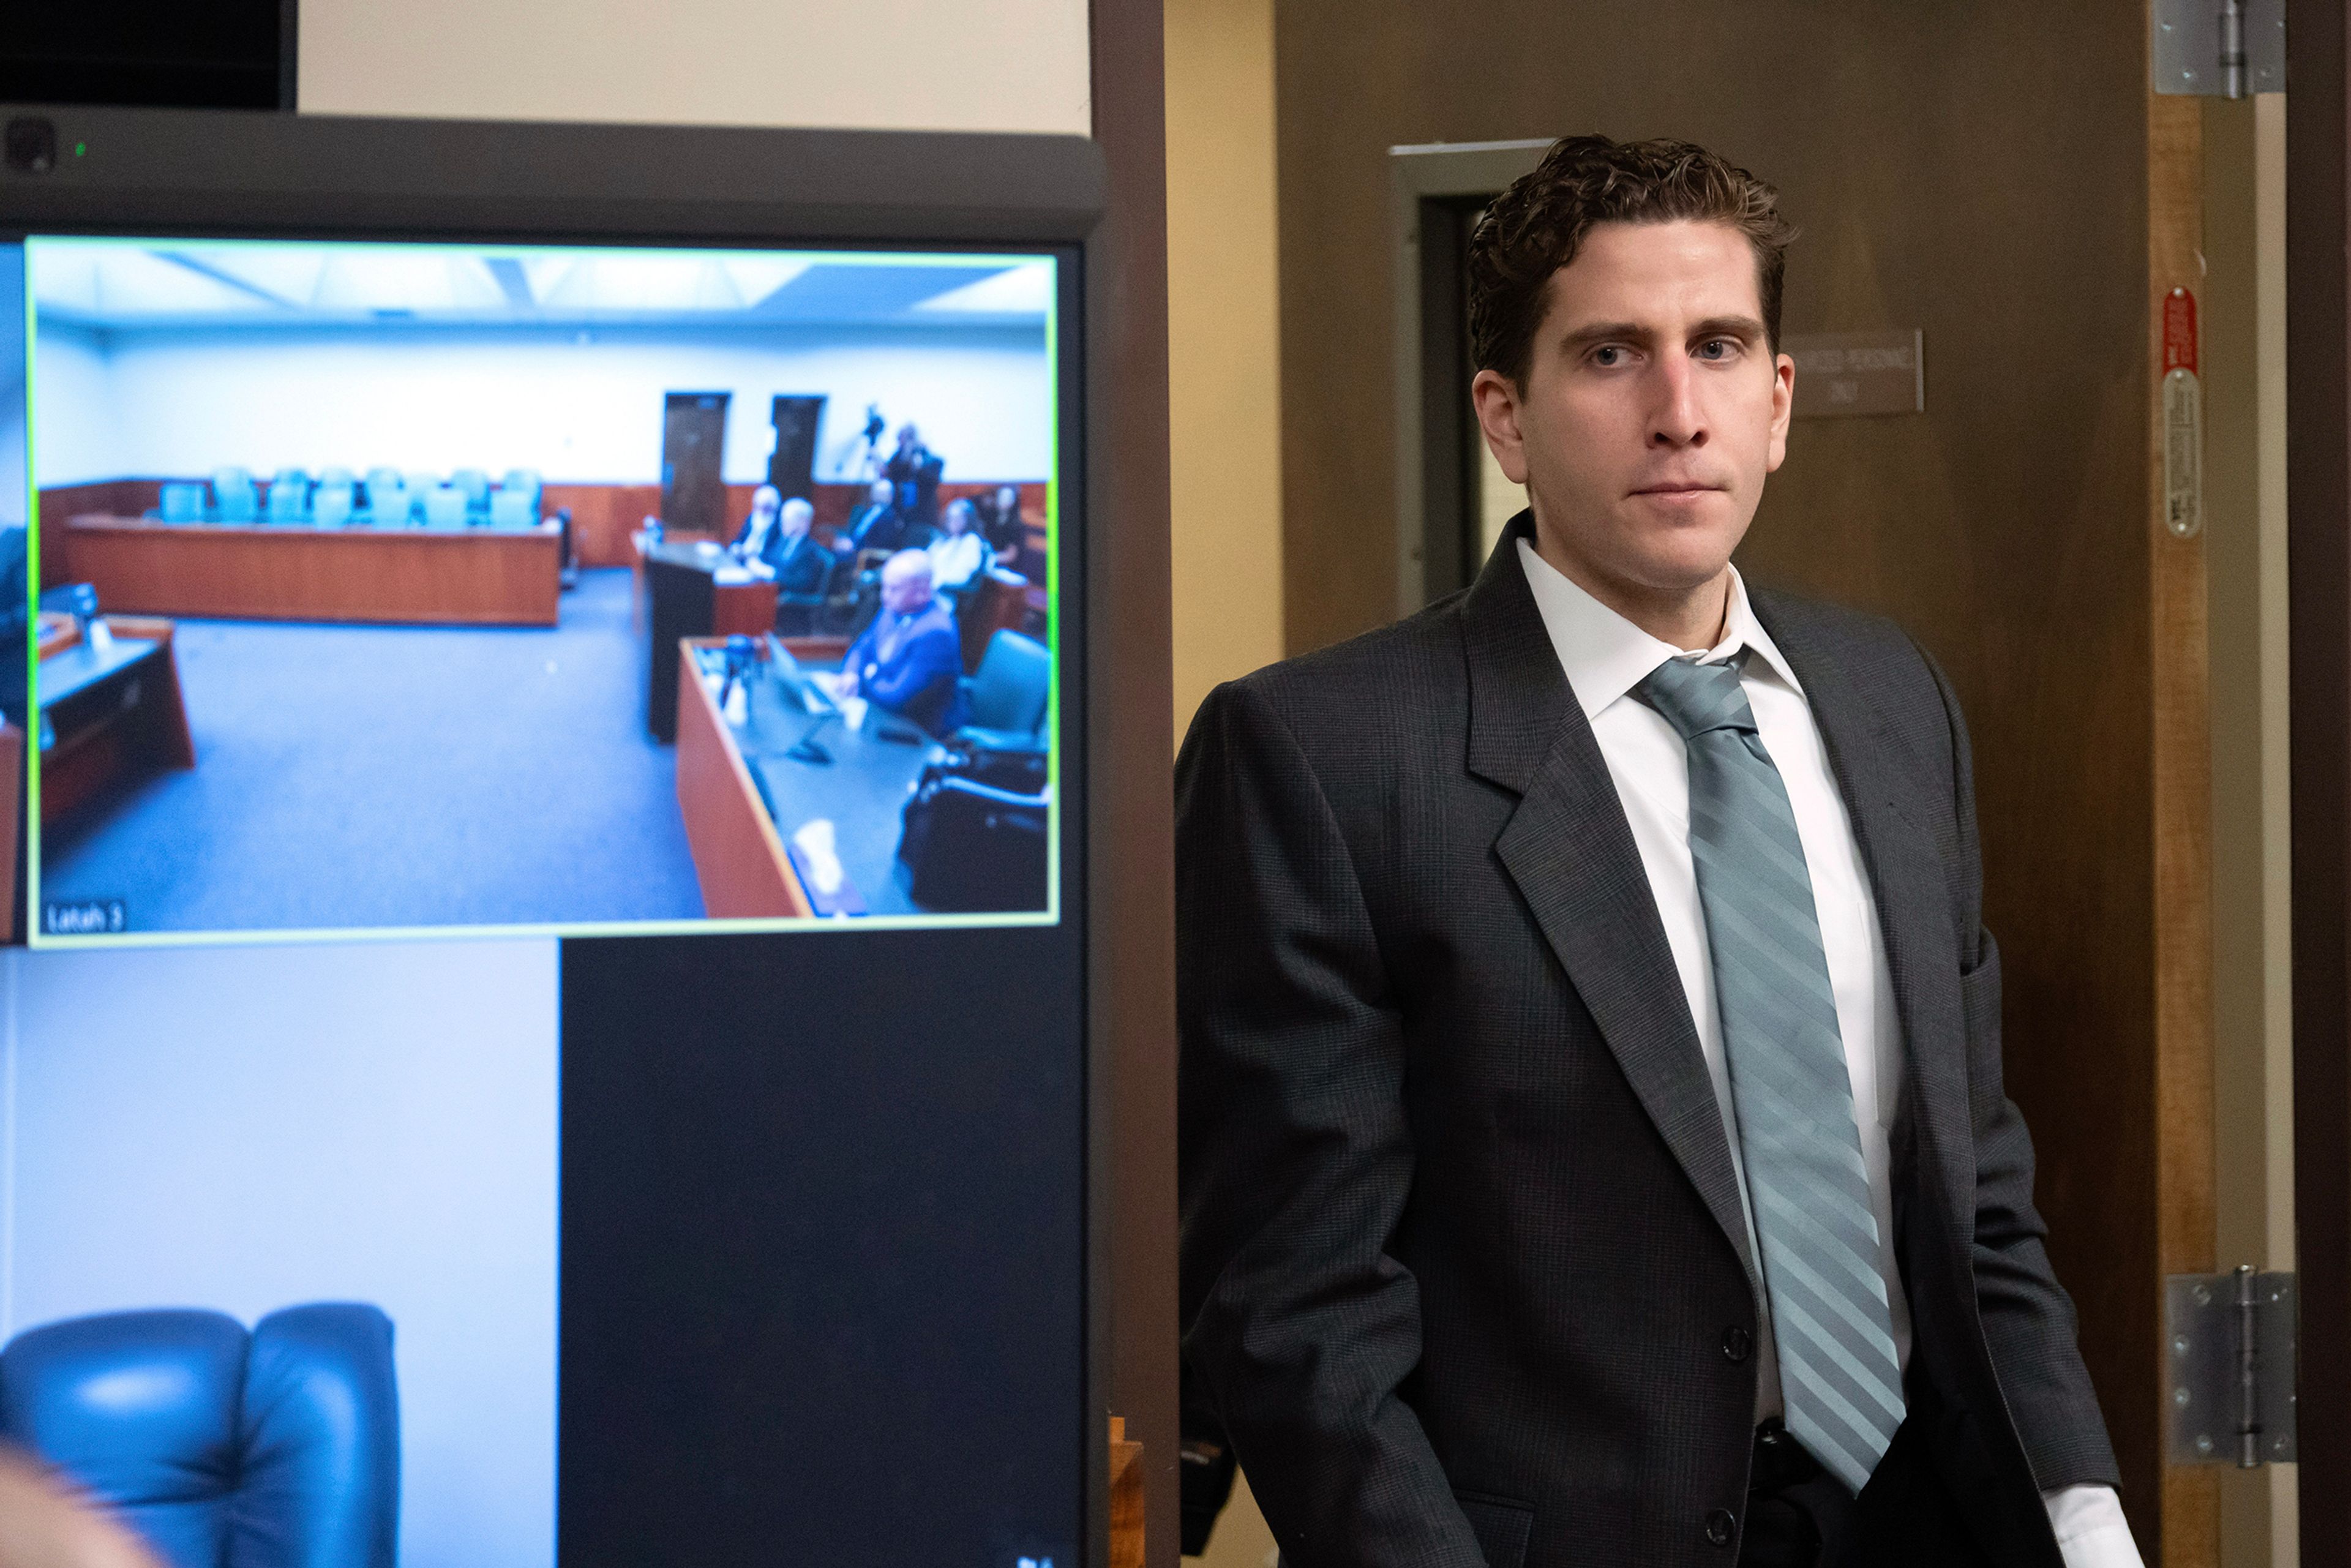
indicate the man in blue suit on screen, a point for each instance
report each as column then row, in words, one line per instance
column 910, row 660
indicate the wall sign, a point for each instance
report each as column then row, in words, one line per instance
column 1842, row 373
column 2183, row 419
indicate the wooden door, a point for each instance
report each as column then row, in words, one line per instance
column 792, row 470
column 693, row 446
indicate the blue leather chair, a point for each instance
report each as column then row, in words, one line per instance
column 388, row 504
column 526, row 480
column 332, row 506
column 289, row 497
column 475, row 485
column 235, row 501
column 387, row 497
column 445, row 507
column 514, row 509
column 279, row 1448
column 1003, row 702
column 183, row 503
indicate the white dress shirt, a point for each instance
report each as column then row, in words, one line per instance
column 955, row 559
column 1605, row 658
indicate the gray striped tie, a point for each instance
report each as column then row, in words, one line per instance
column 1794, row 1099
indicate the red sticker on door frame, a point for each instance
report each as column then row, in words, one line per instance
column 2180, row 331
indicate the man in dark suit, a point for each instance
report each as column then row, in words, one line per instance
column 876, row 525
column 755, row 542
column 1593, row 1144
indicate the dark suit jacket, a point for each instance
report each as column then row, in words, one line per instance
column 874, row 526
column 801, row 565
column 1463, row 1250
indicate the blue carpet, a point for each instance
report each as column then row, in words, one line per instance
column 363, row 776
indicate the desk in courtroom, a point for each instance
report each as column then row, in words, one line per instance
column 695, row 589
column 745, row 797
column 110, row 708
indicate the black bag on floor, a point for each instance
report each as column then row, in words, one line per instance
column 973, row 846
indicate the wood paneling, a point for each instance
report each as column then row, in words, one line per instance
column 1978, row 170
column 106, row 497
column 743, row 608
column 474, row 577
column 737, row 858
column 602, row 518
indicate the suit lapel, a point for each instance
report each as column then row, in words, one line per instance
column 1907, row 874
column 1569, row 850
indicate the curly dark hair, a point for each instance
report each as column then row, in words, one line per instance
column 1536, row 226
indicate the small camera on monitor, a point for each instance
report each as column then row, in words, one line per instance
column 32, row 146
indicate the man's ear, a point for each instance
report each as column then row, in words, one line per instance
column 1783, row 407
column 1498, row 403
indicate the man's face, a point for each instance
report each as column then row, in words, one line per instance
column 880, row 494
column 906, row 588
column 797, row 517
column 763, row 506
column 1651, row 409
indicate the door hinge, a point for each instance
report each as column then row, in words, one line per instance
column 2232, row 1339
column 2217, row 48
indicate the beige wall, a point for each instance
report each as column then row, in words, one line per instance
column 931, row 65
column 1223, row 389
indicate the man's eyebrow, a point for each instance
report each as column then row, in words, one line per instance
column 1605, row 332
column 1745, row 326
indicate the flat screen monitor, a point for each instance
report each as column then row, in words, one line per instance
column 383, row 586
column 544, row 718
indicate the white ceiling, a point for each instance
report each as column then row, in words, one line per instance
column 116, row 285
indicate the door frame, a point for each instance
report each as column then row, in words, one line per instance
column 1425, row 181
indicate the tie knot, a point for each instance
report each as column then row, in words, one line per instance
column 1697, row 698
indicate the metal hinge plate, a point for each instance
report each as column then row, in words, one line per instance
column 2230, row 1394
column 2195, row 44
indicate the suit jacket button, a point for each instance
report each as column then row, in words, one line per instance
column 1737, row 1343
column 1721, row 1527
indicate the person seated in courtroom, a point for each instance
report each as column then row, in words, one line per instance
column 959, row 554
column 756, row 543
column 792, row 555
column 876, row 525
column 1000, row 522
column 909, row 661
column 914, row 472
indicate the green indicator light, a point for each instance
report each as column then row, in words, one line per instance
column 80, row 148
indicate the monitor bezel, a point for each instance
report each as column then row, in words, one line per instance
column 199, row 173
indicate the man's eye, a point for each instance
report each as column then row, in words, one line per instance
column 1606, row 355
column 1715, row 349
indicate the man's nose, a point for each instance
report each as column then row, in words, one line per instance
column 1676, row 421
